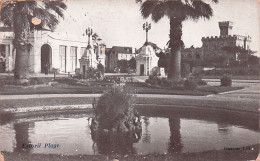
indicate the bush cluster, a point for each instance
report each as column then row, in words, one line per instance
column 30, row 82
column 116, row 104
column 226, row 81
column 190, row 83
column 233, row 71
column 94, row 73
column 5, row 116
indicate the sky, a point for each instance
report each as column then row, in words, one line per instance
column 119, row 22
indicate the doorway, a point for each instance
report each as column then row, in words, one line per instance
column 142, row 69
column 46, row 55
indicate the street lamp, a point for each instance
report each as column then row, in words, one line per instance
column 89, row 32
column 146, row 27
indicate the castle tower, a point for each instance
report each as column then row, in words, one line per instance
column 225, row 28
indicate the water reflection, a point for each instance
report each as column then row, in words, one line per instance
column 113, row 144
column 175, row 145
column 224, row 129
column 146, row 138
column 163, row 132
column 21, row 137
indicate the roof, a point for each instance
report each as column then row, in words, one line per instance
column 6, row 29
column 155, row 47
column 122, row 49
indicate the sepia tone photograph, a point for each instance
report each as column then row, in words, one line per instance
column 129, row 80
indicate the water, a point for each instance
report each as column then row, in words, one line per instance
column 163, row 131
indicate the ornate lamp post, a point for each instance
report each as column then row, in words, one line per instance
column 89, row 32
column 146, row 27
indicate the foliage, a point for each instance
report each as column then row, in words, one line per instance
column 132, row 63
column 123, row 65
column 95, row 74
column 5, row 116
column 226, row 81
column 185, row 70
column 190, row 83
column 253, row 60
column 253, row 70
column 31, row 81
column 163, row 61
column 177, row 12
column 116, row 125
column 101, row 68
column 113, row 106
column 19, row 16
column 100, row 71
column 156, row 71
column 153, row 80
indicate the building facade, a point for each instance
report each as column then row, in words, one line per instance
column 117, row 53
column 214, row 45
column 147, row 59
column 50, row 51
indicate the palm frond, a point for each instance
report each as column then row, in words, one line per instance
column 48, row 20
column 147, row 8
column 176, row 9
column 6, row 14
column 56, row 6
column 26, row 8
column 158, row 11
column 201, row 9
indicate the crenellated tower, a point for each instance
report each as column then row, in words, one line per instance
column 225, row 28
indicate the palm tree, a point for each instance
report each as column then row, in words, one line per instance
column 177, row 11
column 24, row 17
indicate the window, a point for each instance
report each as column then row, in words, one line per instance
column 73, row 58
column 62, row 58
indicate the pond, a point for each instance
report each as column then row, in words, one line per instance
column 164, row 130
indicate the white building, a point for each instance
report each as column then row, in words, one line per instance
column 146, row 59
column 49, row 50
column 119, row 53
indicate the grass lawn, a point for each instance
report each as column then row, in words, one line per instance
column 234, row 77
column 72, row 87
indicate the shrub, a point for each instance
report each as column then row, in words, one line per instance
column 165, row 82
column 185, row 69
column 116, row 123
column 115, row 110
column 190, row 84
column 5, row 116
column 226, row 81
column 153, row 80
column 201, row 82
column 156, row 71
column 101, row 68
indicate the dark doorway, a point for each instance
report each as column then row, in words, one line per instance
column 46, row 65
column 142, row 69
column 84, row 71
column 2, row 57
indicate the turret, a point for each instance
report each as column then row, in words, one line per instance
column 225, row 28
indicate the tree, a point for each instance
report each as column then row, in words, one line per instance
column 123, row 65
column 177, row 11
column 163, row 61
column 243, row 54
column 24, row 17
column 132, row 63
